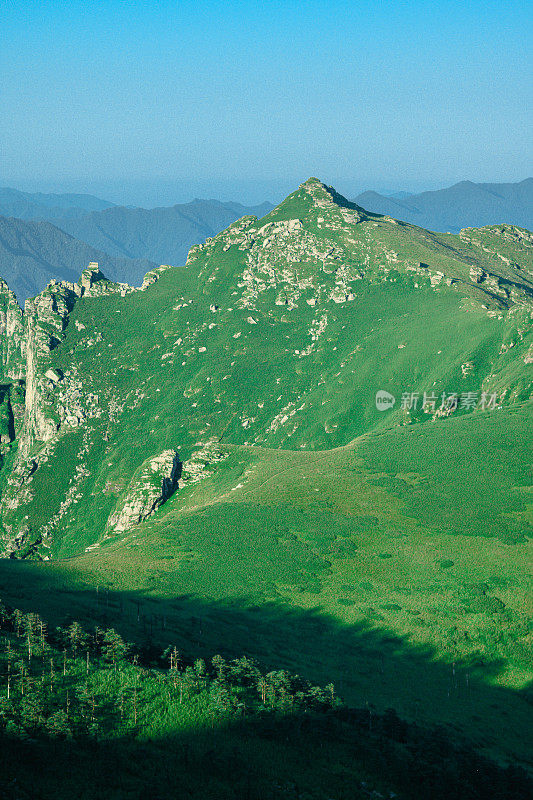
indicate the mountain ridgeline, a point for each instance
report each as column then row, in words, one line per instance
column 163, row 235
column 33, row 253
column 269, row 336
column 465, row 203
column 40, row 242
column 41, row 206
column 216, row 432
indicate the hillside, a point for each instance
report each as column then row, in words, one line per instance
column 207, row 451
column 163, row 235
column 37, row 205
column 108, row 719
column 464, row 204
column 33, row 253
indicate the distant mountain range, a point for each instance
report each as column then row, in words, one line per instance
column 45, row 236
column 57, row 235
column 32, row 253
column 26, row 205
column 164, row 235
column 463, row 205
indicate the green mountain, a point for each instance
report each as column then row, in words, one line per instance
column 464, row 203
column 308, row 445
column 163, row 235
column 33, row 253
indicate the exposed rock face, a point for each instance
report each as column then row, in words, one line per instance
column 198, row 467
column 327, row 198
column 510, row 232
column 153, row 275
column 12, row 350
column 45, row 320
column 320, row 258
column 155, row 481
column 28, row 340
column 38, row 402
column 93, row 283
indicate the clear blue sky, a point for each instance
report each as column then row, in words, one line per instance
column 156, row 102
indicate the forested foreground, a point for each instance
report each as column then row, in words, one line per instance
column 87, row 715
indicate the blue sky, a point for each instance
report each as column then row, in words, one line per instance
column 158, row 102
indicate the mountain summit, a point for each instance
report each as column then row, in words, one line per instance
column 313, row 194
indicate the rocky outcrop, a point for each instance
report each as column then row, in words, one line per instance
column 93, row 283
column 154, row 482
column 154, row 275
column 104, row 378
column 12, row 349
column 201, row 463
column 512, row 233
column 327, row 198
column 39, row 331
column 45, row 320
column 39, row 402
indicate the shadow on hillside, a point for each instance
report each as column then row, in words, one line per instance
column 343, row 755
column 370, row 666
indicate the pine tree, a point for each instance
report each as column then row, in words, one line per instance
column 51, row 675
column 6, row 709
column 200, row 670
column 221, row 668
column 18, row 617
column 22, row 675
column 10, row 657
column 175, row 660
column 262, row 687
column 114, row 647
column 42, row 632
column 31, row 626
column 76, row 636
column 57, row 725
column 31, row 710
column 5, row 616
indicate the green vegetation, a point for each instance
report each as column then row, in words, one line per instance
column 163, row 235
column 386, row 552
column 82, row 714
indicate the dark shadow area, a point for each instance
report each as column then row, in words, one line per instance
column 347, row 755
column 343, row 202
column 370, row 666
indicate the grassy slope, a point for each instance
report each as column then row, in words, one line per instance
column 364, row 573
column 396, row 565
column 81, row 721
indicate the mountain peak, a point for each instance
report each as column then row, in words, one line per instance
column 324, row 195
column 312, row 198
column 313, row 182
column 316, row 188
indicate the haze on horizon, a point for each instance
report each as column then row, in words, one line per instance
column 156, row 104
